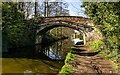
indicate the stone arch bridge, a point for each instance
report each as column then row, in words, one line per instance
column 83, row 25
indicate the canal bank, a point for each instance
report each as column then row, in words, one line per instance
column 83, row 60
column 70, row 57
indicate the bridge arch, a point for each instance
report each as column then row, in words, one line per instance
column 44, row 30
column 83, row 25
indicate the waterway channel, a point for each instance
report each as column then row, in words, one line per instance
column 36, row 59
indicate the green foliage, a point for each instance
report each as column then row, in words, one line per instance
column 61, row 32
column 106, row 16
column 67, row 68
column 69, row 57
column 11, row 22
column 15, row 27
column 96, row 45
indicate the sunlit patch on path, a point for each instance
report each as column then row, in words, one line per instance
column 89, row 62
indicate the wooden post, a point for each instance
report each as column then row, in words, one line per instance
column 84, row 38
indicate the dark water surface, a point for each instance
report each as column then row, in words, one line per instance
column 38, row 59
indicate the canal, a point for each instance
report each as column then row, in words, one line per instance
column 36, row 59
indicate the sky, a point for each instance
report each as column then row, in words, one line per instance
column 75, row 9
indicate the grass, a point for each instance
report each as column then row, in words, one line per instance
column 67, row 68
column 97, row 45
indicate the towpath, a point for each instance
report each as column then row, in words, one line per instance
column 90, row 62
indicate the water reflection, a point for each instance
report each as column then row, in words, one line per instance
column 34, row 59
column 58, row 50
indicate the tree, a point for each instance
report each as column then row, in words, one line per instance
column 56, row 8
column 106, row 16
column 16, row 30
column 11, row 21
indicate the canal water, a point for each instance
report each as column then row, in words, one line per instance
column 36, row 59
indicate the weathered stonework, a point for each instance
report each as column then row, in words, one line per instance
column 84, row 25
column 94, row 35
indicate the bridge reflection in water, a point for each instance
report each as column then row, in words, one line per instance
column 56, row 51
column 34, row 59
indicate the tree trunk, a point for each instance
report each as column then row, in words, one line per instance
column 35, row 9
